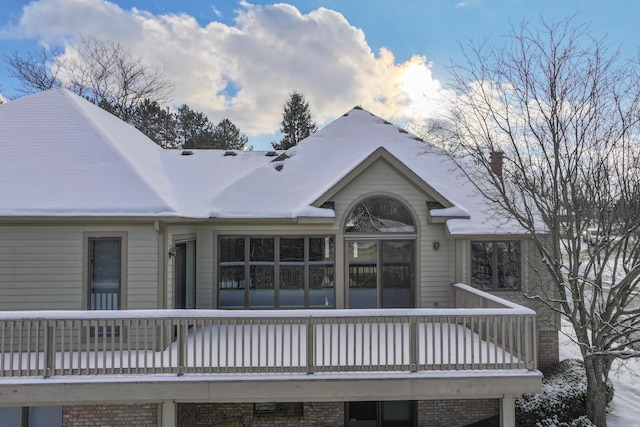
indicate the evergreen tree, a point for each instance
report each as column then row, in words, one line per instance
column 297, row 123
column 227, row 136
column 193, row 128
column 158, row 123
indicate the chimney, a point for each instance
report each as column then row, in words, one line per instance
column 495, row 162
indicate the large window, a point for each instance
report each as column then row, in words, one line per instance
column 495, row 265
column 276, row 272
column 104, row 273
column 33, row 416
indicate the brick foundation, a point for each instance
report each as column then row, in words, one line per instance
column 143, row 415
column 548, row 348
column 431, row 413
column 316, row 414
column 455, row 413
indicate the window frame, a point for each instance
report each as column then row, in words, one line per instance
column 495, row 267
column 87, row 238
column 247, row 264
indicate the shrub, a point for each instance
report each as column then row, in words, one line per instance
column 562, row 402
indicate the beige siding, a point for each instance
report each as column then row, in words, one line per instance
column 205, row 252
column 41, row 267
column 142, row 276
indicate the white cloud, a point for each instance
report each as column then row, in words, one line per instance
column 269, row 52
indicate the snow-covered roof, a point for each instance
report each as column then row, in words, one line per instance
column 63, row 156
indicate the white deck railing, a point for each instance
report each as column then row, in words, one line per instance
column 298, row 341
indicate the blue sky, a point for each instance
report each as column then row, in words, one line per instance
column 240, row 60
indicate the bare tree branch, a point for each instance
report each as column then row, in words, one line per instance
column 102, row 71
column 565, row 113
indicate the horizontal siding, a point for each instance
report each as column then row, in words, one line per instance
column 205, row 289
column 41, row 267
column 142, row 268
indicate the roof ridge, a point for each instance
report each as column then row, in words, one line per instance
column 76, row 101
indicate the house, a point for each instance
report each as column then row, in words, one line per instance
column 356, row 279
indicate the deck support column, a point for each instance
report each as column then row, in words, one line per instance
column 168, row 414
column 508, row 411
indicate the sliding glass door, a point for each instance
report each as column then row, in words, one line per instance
column 381, row 273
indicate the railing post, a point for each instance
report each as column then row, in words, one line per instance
column 49, row 350
column 181, row 345
column 311, row 338
column 532, row 340
column 413, row 344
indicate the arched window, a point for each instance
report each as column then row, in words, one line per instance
column 380, row 214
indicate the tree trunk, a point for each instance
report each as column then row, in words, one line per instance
column 597, row 369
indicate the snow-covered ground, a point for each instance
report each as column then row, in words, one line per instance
column 624, row 410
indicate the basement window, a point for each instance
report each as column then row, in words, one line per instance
column 279, row 409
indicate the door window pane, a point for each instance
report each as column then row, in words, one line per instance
column 185, row 275
column 397, row 273
column 363, row 274
column 104, row 273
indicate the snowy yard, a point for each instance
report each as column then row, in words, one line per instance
column 624, row 410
